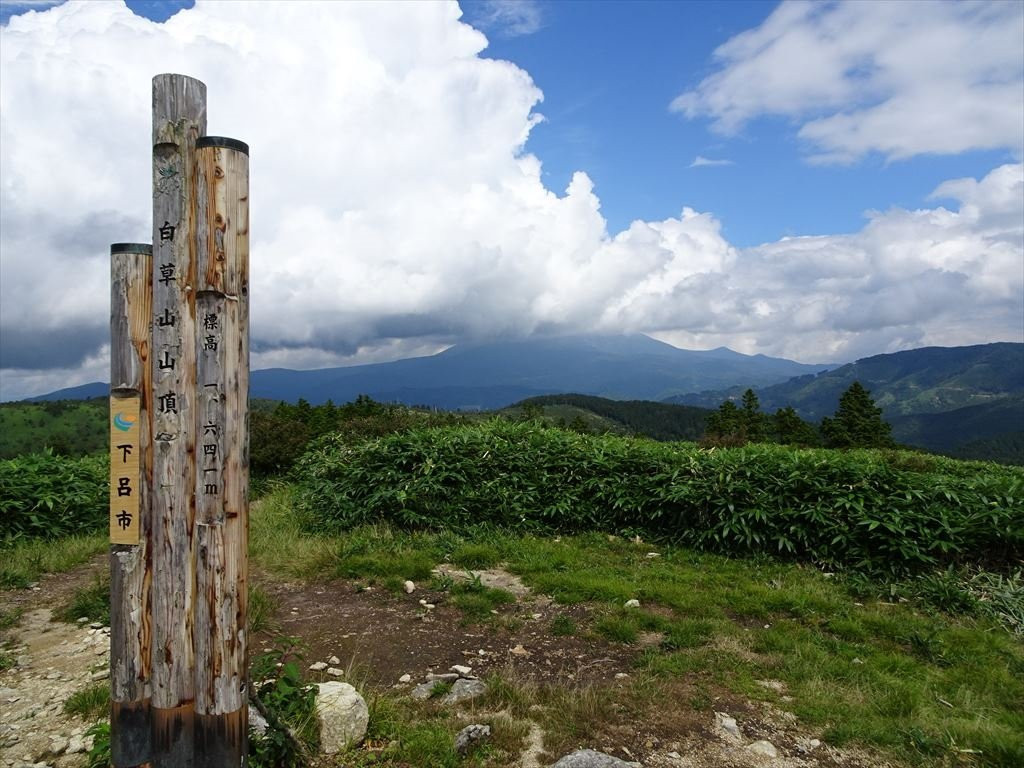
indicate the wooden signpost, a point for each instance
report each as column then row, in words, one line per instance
column 130, row 458
column 180, row 387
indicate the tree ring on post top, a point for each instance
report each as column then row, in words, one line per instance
column 222, row 141
column 131, row 248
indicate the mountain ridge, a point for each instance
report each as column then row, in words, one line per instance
column 496, row 374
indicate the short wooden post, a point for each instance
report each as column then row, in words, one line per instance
column 179, row 118
column 130, row 318
column 222, row 477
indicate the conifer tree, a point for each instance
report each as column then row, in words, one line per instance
column 790, row 429
column 857, row 423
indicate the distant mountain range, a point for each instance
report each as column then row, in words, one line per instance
column 940, row 398
column 964, row 401
column 487, row 376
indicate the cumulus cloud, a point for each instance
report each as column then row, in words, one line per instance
column 898, row 78
column 395, row 210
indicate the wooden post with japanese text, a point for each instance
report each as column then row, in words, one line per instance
column 179, row 119
column 130, row 576
column 222, row 479
column 179, row 452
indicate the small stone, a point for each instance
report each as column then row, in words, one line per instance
column 423, row 601
column 58, row 745
column 423, row 691
column 652, row 555
column 464, row 690
column 727, row 725
column 856, row 661
column 536, row 616
column 101, row 674
column 406, row 678
column 519, row 651
column 621, row 675
column 318, row 666
column 257, row 722
column 410, row 587
column 82, row 619
column 471, row 736
column 763, row 747
column 589, row 758
column 343, row 716
column 632, row 604
column 463, row 671
column 334, row 660
column 95, row 625
column 443, row 677
column 335, row 672
column 76, row 745
column 429, row 606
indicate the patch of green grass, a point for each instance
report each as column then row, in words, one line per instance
column 89, row 703
column 277, row 543
column 476, row 556
column 476, row 601
column 563, row 626
column 418, row 735
column 92, row 602
column 440, row 688
column 28, row 559
column 7, row 661
column 261, row 609
column 619, row 628
column 10, row 618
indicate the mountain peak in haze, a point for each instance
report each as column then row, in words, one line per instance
column 494, row 374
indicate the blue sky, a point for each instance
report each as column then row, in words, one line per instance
column 818, row 181
column 609, row 71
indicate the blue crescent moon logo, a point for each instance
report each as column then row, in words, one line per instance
column 122, row 423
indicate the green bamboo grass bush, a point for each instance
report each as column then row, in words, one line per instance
column 877, row 511
column 47, row 496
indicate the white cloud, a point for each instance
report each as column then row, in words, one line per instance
column 394, row 210
column 899, row 78
column 703, row 162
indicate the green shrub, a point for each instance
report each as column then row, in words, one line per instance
column 856, row 508
column 48, row 496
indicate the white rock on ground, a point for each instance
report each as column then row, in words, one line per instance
column 763, row 747
column 589, row 758
column 343, row 716
column 727, row 725
column 470, row 736
column 410, row 587
column 464, row 690
column 632, row 604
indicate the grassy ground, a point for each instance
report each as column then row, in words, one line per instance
column 854, row 662
column 922, row 686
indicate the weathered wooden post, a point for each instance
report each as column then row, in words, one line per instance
column 130, row 317
column 179, row 118
column 222, row 482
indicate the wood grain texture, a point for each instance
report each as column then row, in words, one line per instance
column 222, row 237
column 130, row 576
column 179, row 118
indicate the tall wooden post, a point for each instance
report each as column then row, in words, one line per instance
column 222, row 478
column 130, row 399
column 179, row 118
